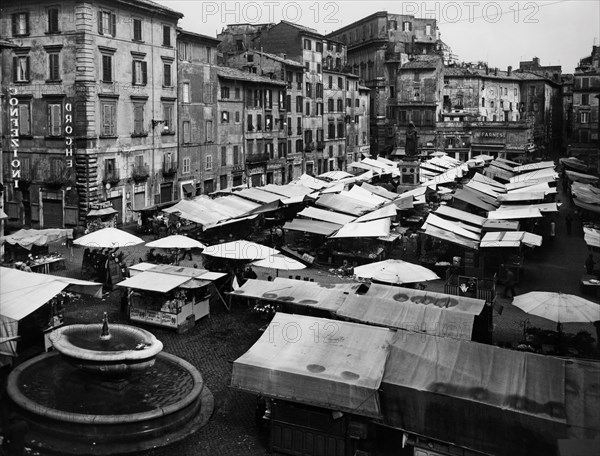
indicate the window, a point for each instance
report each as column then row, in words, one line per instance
column 483, row 102
column 330, row 105
column 268, row 122
column 585, row 83
column 109, row 121
column 53, row 20
column 168, row 118
column 585, row 99
column 340, row 83
column 224, row 116
column 237, row 117
column 187, row 164
column 138, row 119
column 223, row 181
column 208, row 55
column 21, row 68
column 281, row 146
column 20, row 24
column 331, row 130
column 340, row 130
column 427, row 29
column 250, row 123
column 249, row 147
column 137, row 29
column 54, row 124
column 208, row 163
column 318, row 68
column 307, row 44
column 184, row 51
column 236, row 155
column 209, row 131
column 237, row 93
column 309, row 89
column 167, row 81
column 140, row 72
column 392, row 92
column 319, row 90
column 340, row 105
column 348, row 102
column 584, row 136
column 516, row 92
column 406, row 26
column 185, row 92
column 223, row 156
column 299, row 104
column 299, row 125
column 107, row 23
column 330, row 80
column 107, row 68
column 166, row 36
column 187, row 133
column 319, row 46
column 584, row 117
column 24, row 119
column 225, row 92
column 307, row 66
column 357, row 103
column 259, row 122
column 307, row 108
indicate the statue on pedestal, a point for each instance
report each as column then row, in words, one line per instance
column 411, row 140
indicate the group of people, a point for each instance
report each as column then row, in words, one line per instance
column 163, row 226
column 97, row 264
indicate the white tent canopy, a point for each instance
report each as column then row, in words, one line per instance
column 375, row 228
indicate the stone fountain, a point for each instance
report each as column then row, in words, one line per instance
column 106, row 390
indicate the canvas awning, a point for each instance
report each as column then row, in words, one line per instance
column 478, row 177
column 376, row 189
column 312, row 226
column 188, row 188
column 196, row 273
column 542, row 207
column 326, row 216
column 230, row 221
column 258, row 195
column 457, row 214
column 518, row 212
column 374, row 228
column 286, row 364
column 476, row 396
column 451, row 226
column 533, row 166
column 28, row 238
column 541, row 173
column 361, row 194
column 311, row 182
column 449, row 236
column 154, row 281
column 101, row 212
column 591, row 236
column 345, row 204
column 501, row 225
column 484, row 188
column 521, row 196
column 541, row 183
column 389, row 210
column 477, row 200
column 510, row 239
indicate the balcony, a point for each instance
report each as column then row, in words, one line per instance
column 257, row 158
column 112, row 178
column 169, row 171
column 140, row 173
column 320, row 145
column 309, row 147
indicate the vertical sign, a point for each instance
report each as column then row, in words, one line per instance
column 69, row 134
column 15, row 163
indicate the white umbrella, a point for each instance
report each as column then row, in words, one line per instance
column 240, row 250
column 108, row 238
column 279, row 262
column 558, row 307
column 176, row 241
column 395, row 271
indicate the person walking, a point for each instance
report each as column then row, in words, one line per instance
column 552, row 231
column 509, row 284
column 589, row 264
column 568, row 223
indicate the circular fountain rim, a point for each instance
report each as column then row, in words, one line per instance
column 62, row 345
column 23, row 401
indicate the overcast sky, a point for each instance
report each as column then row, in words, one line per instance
column 500, row 32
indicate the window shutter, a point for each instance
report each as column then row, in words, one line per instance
column 27, row 23
column 133, row 80
column 113, row 24
column 56, row 75
column 24, row 126
column 100, row 31
column 144, row 73
column 56, row 120
column 15, row 68
column 27, row 68
column 14, row 24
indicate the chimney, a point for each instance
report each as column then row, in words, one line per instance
column 284, row 55
column 509, row 70
column 536, row 61
column 496, row 71
column 487, row 69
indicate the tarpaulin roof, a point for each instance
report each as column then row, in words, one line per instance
column 154, row 281
column 501, row 225
column 364, row 166
column 288, row 363
column 533, row 166
column 288, row 190
column 446, row 177
column 521, row 196
column 335, row 175
column 390, row 210
column 518, row 212
column 196, row 273
column 336, row 188
column 312, row 226
column 449, row 236
column 361, row 194
column 547, row 172
column 580, row 177
column 22, row 292
column 345, row 204
column 299, row 292
column 101, row 212
column 591, row 236
column 478, row 177
column 207, row 211
column 413, row 310
column 27, row 238
column 407, row 202
column 460, row 215
column 475, row 199
column 477, row 396
column 374, row 228
column 510, row 239
column 542, row 207
column 484, row 188
column 514, row 186
column 378, row 190
column 256, row 194
column 586, row 193
column 311, row 182
column 326, row 216
column 451, row 226
column 495, row 171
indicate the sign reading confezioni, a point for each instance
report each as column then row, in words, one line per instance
column 13, row 118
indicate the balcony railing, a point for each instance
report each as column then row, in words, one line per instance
column 169, row 170
column 140, row 173
column 257, row 158
column 111, row 178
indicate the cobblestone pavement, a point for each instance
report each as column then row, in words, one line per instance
column 215, row 342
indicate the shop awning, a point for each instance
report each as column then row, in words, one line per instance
column 510, row 239
column 188, row 188
column 389, row 210
column 473, row 199
column 341, row 203
column 457, row 214
column 378, row 190
column 375, row 228
column 195, row 273
column 451, row 226
column 101, row 212
column 333, row 374
column 521, row 196
column 474, row 395
column 231, row 221
column 408, row 202
column 520, row 212
column 484, row 188
column 542, row 182
column 541, row 173
column 542, row 207
column 359, row 193
column 154, row 281
column 326, row 216
column 28, row 238
column 478, row 177
column 258, row 195
column 533, row 166
column 288, row 190
column 312, row 226
column 501, row 225
column 449, row 236
column 591, row 236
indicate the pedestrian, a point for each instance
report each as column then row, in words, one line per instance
column 509, row 284
column 568, row 222
column 589, row 264
column 552, row 231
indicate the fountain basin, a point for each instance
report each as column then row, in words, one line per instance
column 128, row 350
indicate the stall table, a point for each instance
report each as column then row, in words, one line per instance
column 43, row 264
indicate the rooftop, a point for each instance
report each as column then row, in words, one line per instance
column 277, row 58
column 232, row 73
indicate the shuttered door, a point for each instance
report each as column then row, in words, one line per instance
column 139, row 200
column 53, row 213
column 166, row 192
column 117, row 204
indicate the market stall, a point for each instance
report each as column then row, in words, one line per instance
column 101, row 215
column 169, row 296
column 29, row 245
